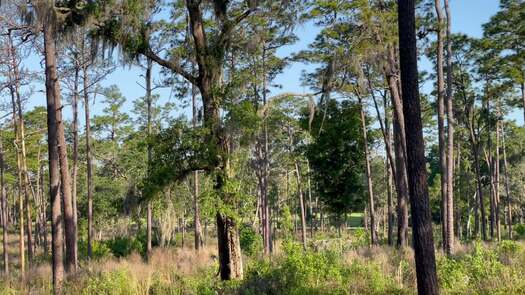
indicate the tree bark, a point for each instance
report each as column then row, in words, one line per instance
column 450, row 143
column 507, row 187
column 441, row 123
column 400, row 172
column 497, row 176
column 196, row 211
column 301, row 204
column 373, row 234
column 52, row 91
column 74, row 168
column 89, row 157
column 149, row 126
column 3, row 204
column 427, row 282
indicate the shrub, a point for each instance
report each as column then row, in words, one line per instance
column 123, row 246
column 251, row 242
column 116, row 282
column 520, row 230
column 100, row 249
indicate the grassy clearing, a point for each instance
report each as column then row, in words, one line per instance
column 477, row 268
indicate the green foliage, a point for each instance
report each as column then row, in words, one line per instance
column 519, row 229
column 123, row 246
column 336, row 157
column 116, row 282
column 100, row 249
column 251, row 241
column 360, row 238
column 300, row 272
column 485, row 270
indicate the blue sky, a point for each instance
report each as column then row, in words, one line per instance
column 467, row 17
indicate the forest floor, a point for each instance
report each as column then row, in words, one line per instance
column 341, row 266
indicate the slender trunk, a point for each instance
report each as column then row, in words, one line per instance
column 400, row 171
column 507, row 188
column 523, row 99
column 196, row 213
column 14, row 80
column 373, row 237
column 89, row 158
column 65, row 186
column 497, row 177
column 441, row 123
column 74, row 171
column 427, row 282
column 450, row 134
column 149, row 126
column 54, row 173
column 21, row 243
column 301, row 204
column 3, row 208
column 310, row 204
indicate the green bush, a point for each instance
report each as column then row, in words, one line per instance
column 520, row 230
column 251, row 242
column 100, row 249
column 115, row 283
column 123, row 246
column 306, row 272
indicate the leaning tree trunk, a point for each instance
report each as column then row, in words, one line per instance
column 373, row 236
column 441, row 123
column 427, row 282
column 52, row 91
column 450, row 134
column 301, row 204
column 400, row 172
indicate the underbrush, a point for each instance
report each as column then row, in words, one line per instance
column 477, row 268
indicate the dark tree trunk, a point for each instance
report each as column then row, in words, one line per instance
column 427, row 282
column 52, row 91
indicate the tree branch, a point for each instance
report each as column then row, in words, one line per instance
column 177, row 68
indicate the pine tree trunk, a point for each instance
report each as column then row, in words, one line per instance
column 57, row 233
column 373, row 234
column 507, row 188
column 497, row 178
column 65, row 186
column 450, row 143
column 441, row 123
column 301, row 204
column 400, row 172
column 3, row 204
column 427, row 282
column 89, row 159
column 149, row 126
column 74, row 168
